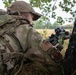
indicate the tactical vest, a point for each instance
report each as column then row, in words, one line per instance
column 9, row 44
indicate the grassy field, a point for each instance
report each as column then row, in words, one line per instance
column 47, row 32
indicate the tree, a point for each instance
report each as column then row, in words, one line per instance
column 69, row 64
column 49, row 8
column 42, row 23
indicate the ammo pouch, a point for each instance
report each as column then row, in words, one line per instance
column 7, row 60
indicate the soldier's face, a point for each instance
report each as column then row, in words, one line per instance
column 30, row 19
column 28, row 16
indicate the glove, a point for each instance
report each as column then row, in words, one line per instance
column 55, row 54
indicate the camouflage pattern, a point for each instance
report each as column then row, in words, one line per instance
column 22, row 6
column 2, row 12
column 17, row 32
column 4, row 19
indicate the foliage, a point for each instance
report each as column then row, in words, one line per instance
column 44, row 23
column 50, row 7
column 7, row 2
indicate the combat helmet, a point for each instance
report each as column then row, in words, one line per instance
column 22, row 6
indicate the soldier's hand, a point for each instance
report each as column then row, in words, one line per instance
column 55, row 54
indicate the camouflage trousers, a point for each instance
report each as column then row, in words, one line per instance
column 35, row 68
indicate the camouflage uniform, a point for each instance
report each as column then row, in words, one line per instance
column 2, row 12
column 22, row 48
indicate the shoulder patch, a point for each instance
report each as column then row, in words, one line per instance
column 45, row 45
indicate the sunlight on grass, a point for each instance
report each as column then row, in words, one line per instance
column 66, row 42
column 46, row 32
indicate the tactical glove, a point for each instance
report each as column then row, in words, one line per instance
column 55, row 54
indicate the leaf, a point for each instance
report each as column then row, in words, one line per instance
column 65, row 1
column 6, row 4
column 54, row 15
column 67, row 9
column 9, row 1
column 54, row 8
column 60, row 20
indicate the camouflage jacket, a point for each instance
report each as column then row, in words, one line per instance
column 17, row 36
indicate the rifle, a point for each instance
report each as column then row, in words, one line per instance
column 60, row 35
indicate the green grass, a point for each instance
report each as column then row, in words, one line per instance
column 65, row 46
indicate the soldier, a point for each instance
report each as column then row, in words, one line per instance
column 23, row 51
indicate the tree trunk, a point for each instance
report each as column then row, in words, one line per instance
column 69, row 64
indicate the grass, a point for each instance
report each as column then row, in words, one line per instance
column 47, row 32
column 65, row 47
